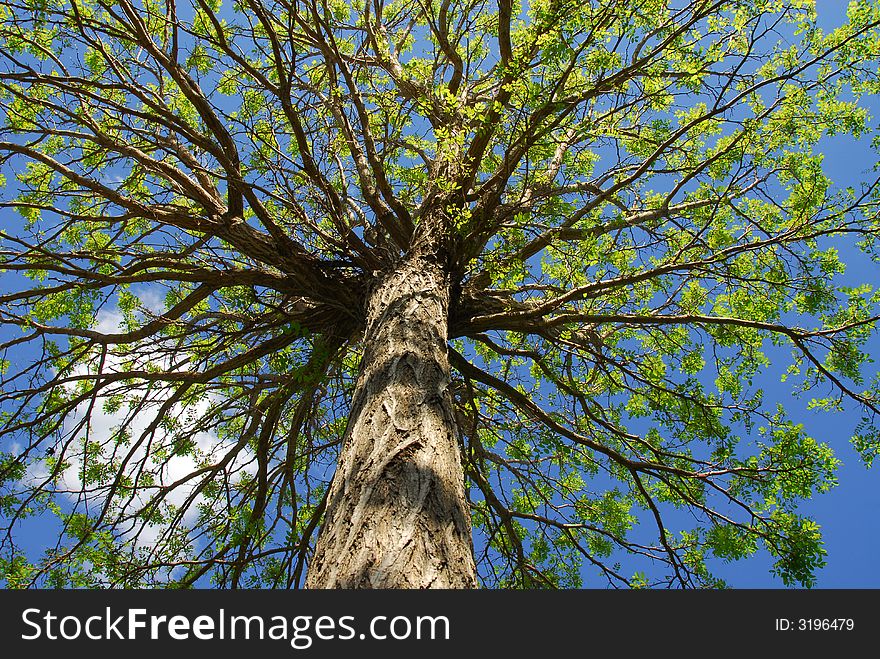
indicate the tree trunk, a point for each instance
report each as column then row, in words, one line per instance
column 397, row 515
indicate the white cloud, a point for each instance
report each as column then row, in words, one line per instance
column 103, row 425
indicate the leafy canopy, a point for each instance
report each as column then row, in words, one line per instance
column 637, row 223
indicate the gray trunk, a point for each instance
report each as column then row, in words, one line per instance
column 397, row 515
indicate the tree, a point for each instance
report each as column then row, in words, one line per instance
column 416, row 294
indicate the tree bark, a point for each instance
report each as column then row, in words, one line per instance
column 397, row 516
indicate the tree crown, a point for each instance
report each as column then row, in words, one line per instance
column 628, row 199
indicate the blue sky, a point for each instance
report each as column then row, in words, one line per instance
column 847, row 514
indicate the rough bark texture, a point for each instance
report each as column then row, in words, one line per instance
column 397, row 515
